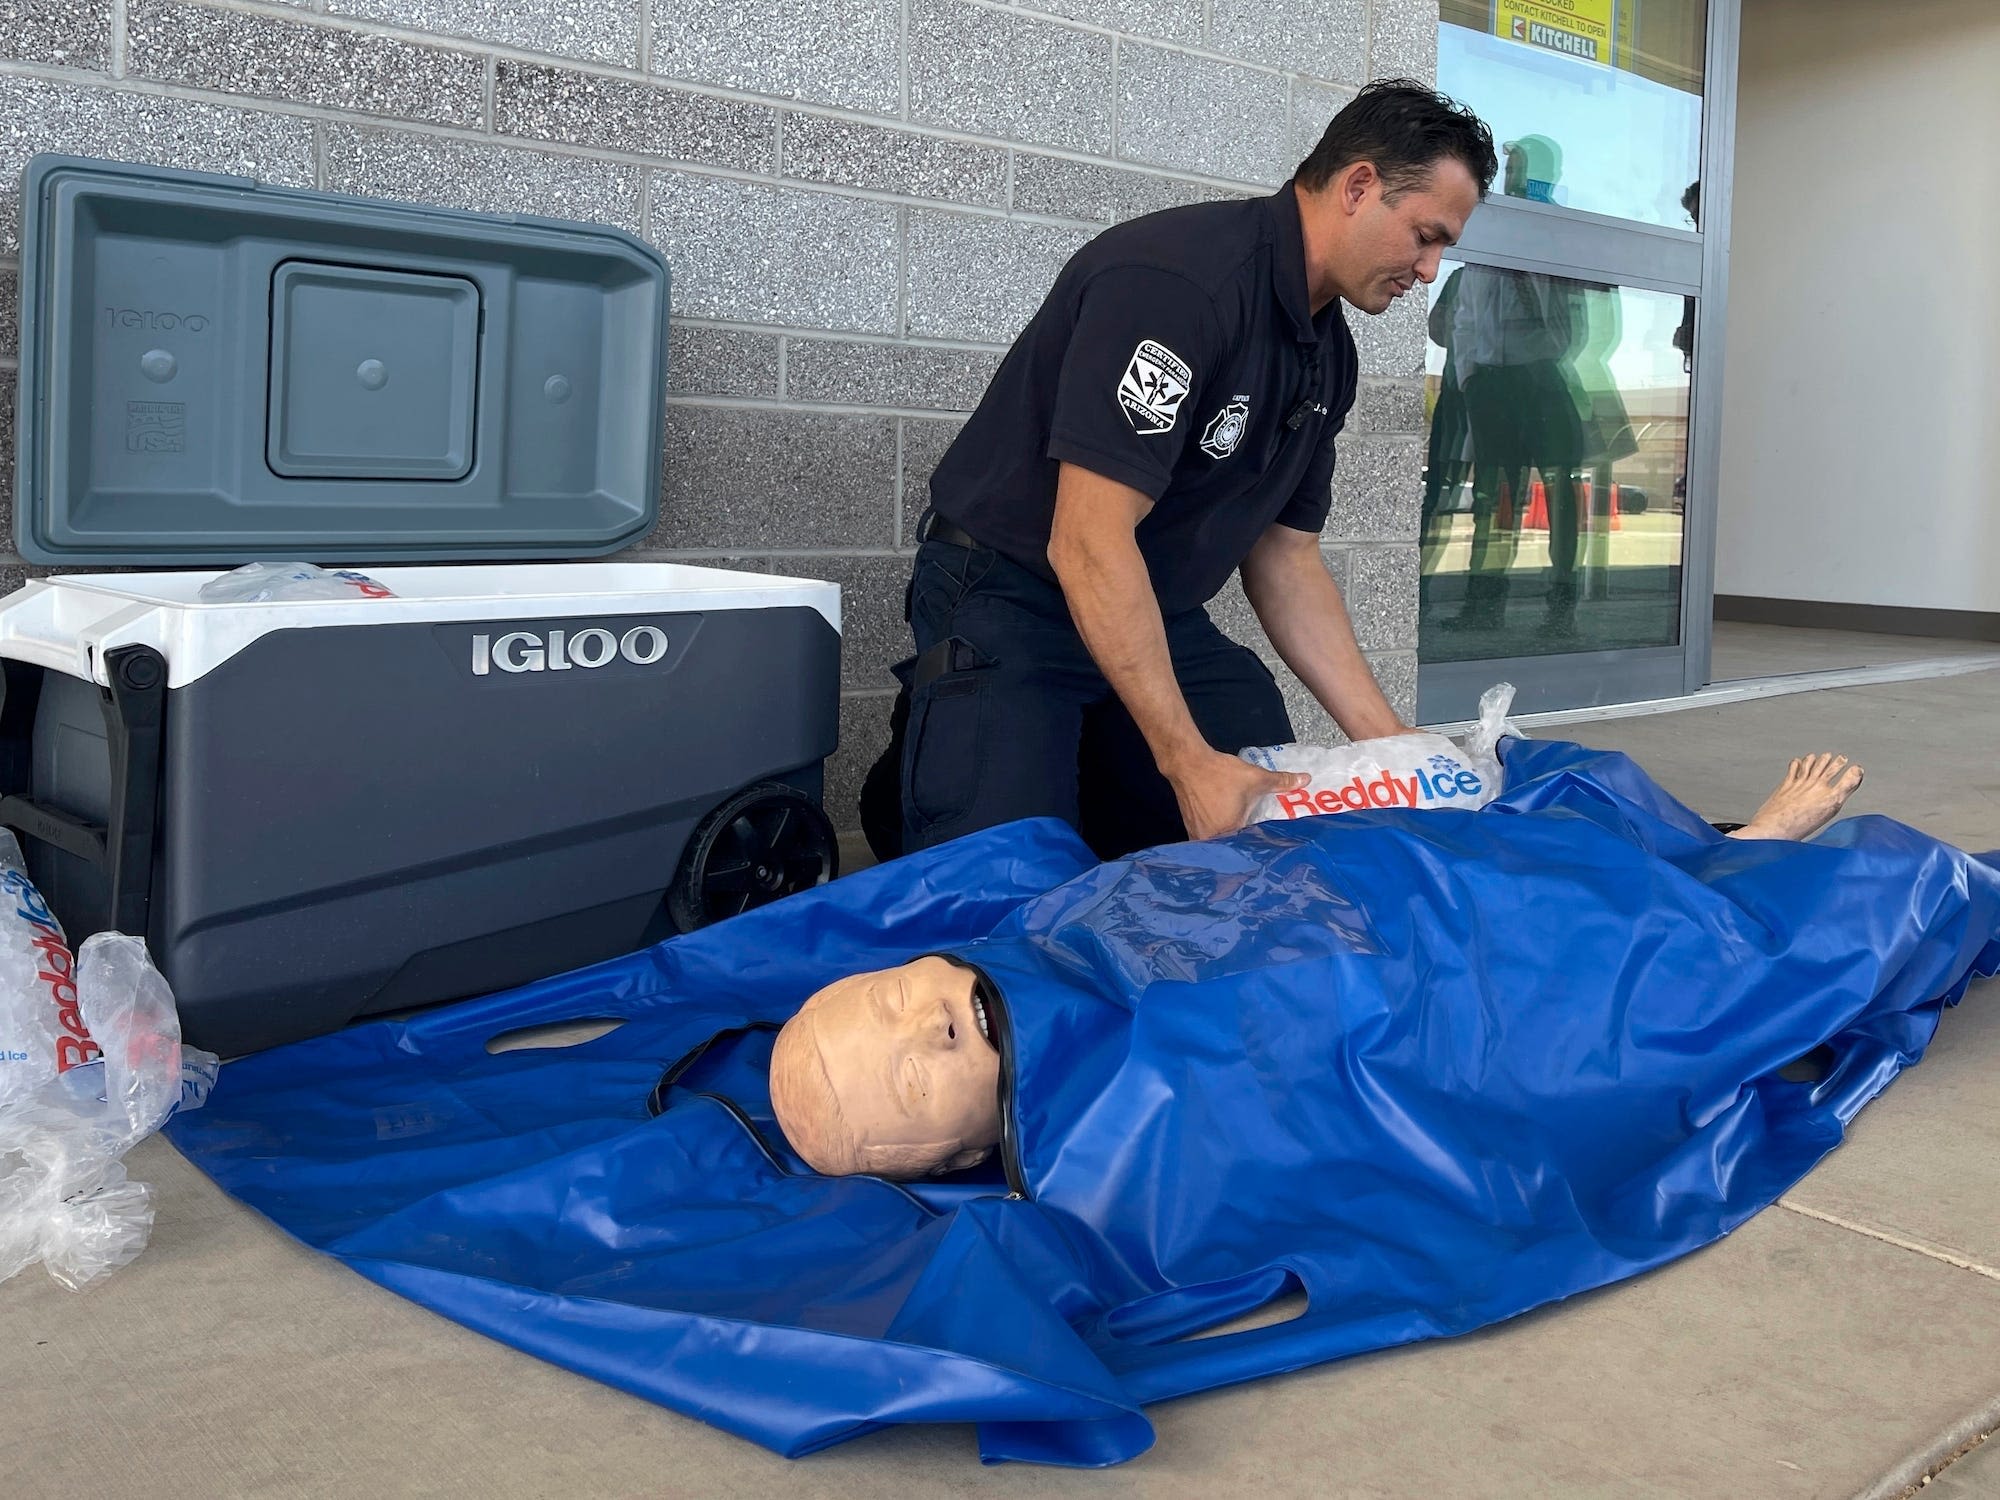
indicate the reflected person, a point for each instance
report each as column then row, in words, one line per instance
column 1448, row 457
column 1607, row 424
column 1516, row 336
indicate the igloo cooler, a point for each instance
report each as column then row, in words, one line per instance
column 317, row 811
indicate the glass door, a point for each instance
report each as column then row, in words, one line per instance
column 1574, row 357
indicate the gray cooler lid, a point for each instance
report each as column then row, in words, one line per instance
column 216, row 371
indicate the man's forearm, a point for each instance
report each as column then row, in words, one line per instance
column 1110, row 597
column 1301, row 610
column 1094, row 550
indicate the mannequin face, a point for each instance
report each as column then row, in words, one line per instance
column 894, row 1073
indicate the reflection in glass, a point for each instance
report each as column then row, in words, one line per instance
column 1614, row 85
column 1555, row 479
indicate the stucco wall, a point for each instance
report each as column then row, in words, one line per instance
column 862, row 200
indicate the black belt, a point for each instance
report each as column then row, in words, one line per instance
column 937, row 529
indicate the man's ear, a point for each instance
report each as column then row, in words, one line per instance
column 1354, row 182
column 970, row 1157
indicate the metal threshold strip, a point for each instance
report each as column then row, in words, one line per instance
column 1748, row 688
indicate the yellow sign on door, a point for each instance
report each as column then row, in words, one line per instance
column 1576, row 28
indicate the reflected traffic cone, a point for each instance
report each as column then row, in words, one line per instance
column 1503, row 509
column 1537, row 518
column 1617, row 521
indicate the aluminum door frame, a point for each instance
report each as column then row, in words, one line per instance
column 1528, row 236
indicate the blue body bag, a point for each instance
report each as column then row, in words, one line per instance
column 1430, row 1068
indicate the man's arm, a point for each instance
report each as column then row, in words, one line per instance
column 1095, row 554
column 1299, row 605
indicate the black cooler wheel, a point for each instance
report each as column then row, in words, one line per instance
column 767, row 841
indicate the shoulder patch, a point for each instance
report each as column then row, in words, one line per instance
column 1152, row 388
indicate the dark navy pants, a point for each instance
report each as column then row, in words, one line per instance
column 1004, row 715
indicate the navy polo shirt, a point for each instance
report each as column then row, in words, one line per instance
column 1177, row 354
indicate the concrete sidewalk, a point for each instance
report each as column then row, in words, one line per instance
column 1836, row 1345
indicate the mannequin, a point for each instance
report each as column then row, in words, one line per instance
column 896, row 1073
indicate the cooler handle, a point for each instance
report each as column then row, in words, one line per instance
column 134, row 718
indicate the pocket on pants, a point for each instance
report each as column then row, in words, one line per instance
column 942, row 576
column 948, row 732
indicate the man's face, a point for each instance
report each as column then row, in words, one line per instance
column 911, row 1057
column 1388, row 247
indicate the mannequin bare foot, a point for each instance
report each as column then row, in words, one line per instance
column 1813, row 791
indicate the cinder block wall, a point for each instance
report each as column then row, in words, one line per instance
column 862, row 201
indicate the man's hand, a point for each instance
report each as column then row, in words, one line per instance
column 1216, row 791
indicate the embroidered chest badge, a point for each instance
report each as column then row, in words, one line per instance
column 1226, row 429
column 1152, row 388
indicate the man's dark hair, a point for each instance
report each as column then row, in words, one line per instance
column 1404, row 129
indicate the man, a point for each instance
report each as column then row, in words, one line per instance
column 1166, row 418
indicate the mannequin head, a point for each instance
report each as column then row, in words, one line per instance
column 893, row 1073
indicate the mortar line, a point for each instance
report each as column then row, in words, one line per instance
column 1117, row 113
column 318, row 19
column 821, row 408
column 829, row 335
column 1891, row 1239
column 646, row 37
column 453, row 41
column 490, row 88
column 263, row 103
column 277, row 10
column 902, row 273
column 119, row 45
column 1070, row 23
column 278, row 108
column 899, row 482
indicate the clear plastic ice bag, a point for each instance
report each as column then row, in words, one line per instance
column 1403, row 770
column 256, row 583
column 91, row 1063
